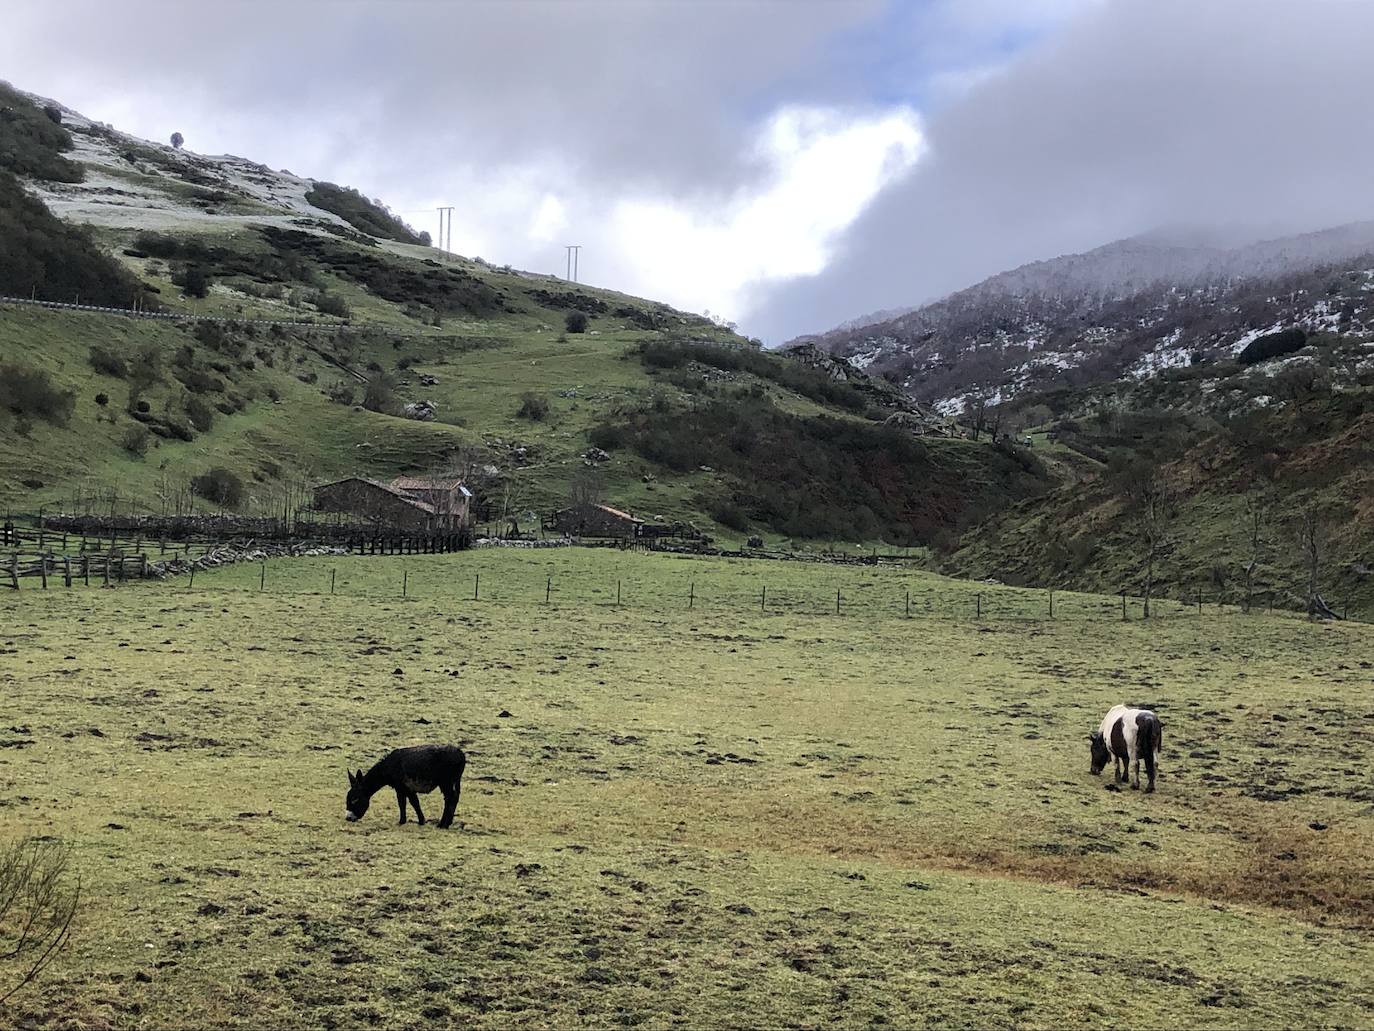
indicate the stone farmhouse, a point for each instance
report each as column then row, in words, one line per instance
column 408, row 503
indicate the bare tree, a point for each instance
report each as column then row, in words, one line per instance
column 976, row 408
column 1312, row 530
column 38, row 901
column 1257, row 507
column 1155, row 511
column 587, row 487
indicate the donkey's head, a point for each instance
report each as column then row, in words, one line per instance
column 355, row 805
column 1101, row 755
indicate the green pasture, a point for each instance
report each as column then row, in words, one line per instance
column 744, row 812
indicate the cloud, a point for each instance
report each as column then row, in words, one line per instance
column 1132, row 117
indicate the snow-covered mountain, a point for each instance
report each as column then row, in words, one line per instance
column 1124, row 310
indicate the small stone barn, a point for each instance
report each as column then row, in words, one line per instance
column 367, row 501
column 449, row 498
column 589, row 520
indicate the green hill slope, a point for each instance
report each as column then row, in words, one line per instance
column 410, row 360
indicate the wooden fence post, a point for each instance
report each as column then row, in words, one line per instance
column 1051, row 604
column 262, row 576
column 14, row 570
column 405, row 582
column 43, row 570
column 837, row 601
column 85, row 569
column 692, row 594
column 332, row 572
column 908, row 602
column 476, row 581
column 978, row 600
column 548, row 589
column 107, row 570
column 763, row 599
column 1123, row 606
column 67, row 569
column 617, row 592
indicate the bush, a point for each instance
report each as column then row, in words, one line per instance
column 355, row 209
column 1273, row 345
column 728, row 514
column 39, row 897
column 576, row 322
column 32, row 143
column 378, row 395
column 54, row 113
column 142, row 407
column 219, row 486
column 331, row 304
column 533, row 407
column 195, row 282
column 609, row 437
column 43, row 257
column 30, row 394
column 107, row 363
column 202, row 416
column 136, row 440
column 102, row 399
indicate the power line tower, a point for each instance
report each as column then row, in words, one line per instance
column 573, row 249
column 446, row 244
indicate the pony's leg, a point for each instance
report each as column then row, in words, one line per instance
column 1150, row 769
column 1135, row 774
column 415, row 804
column 450, row 804
column 1116, row 769
column 401, row 801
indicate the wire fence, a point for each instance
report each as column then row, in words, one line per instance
column 870, row 593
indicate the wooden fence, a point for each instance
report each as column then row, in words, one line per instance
column 107, row 567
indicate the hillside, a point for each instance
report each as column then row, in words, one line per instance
column 389, row 356
column 1123, row 311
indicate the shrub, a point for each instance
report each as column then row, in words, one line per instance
column 729, row 514
column 576, row 322
column 1273, row 345
column 39, row 897
column 30, row 394
column 107, row 363
column 533, row 407
column 54, row 113
column 609, row 437
column 219, row 486
column 378, row 395
column 202, row 416
column 195, row 282
column 102, row 399
column 136, row 440
column 142, row 407
column 371, row 217
column 31, row 142
column 331, row 304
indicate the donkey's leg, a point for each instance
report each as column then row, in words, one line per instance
column 415, row 804
column 450, row 804
column 401, row 801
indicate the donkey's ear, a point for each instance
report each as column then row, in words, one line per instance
column 359, row 775
column 352, row 779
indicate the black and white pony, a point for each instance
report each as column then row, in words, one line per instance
column 411, row 772
column 1128, row 735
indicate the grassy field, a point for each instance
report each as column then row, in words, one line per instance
column 733, row 814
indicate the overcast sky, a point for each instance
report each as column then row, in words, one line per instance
column 789, row 164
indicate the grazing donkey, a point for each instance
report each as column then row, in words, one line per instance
column 1128, row 735
column 412, row 771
